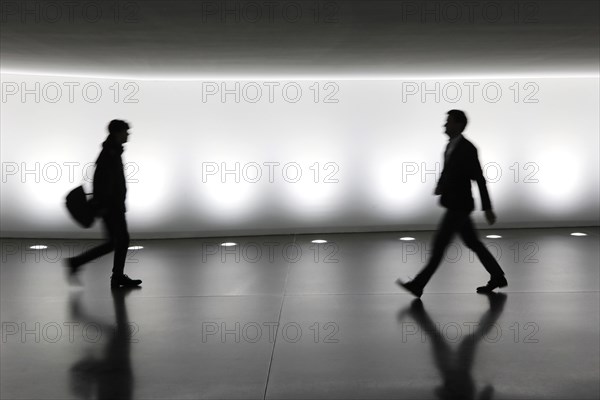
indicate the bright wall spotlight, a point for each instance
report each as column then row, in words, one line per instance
column 578, row 234
column 407, row 238
column 38, row 247
column 319, row 241
column 228, row 244
column 135, row 247
column 493, row 236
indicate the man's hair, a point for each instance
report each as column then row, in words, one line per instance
column 117, row 125
column 459, row 117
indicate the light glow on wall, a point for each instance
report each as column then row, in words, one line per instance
column 202, row 164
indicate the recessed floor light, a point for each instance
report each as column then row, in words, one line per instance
column 407, row 238
column 493, row 236
column 135, row 247
column 38, row 247
column 319, row 241
column 228, row 244
column 578, row 234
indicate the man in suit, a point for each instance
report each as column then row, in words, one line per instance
column 109, row 203
column 461, row 165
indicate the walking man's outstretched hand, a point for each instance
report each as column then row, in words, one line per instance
column 490, row 216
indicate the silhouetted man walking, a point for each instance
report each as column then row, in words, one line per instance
column 461, row 165
column 109, row 202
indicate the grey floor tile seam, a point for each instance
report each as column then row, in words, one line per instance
column 433, row 293
column 209, row 296
column 283, row 295
column 149, row 296
column 287, row 274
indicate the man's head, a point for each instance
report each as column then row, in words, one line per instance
column 455, row 123
column 117, row 130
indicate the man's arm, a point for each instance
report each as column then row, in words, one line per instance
column 103, row 187
column 477, row 175
column 438, row 187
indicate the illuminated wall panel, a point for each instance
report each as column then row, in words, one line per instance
column 230, row 157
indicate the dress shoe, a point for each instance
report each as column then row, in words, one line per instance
column 124, row 281
column 411, row 286
column 493, row 283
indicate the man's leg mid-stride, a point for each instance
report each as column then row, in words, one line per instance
column 450, row 224
column 469, row 236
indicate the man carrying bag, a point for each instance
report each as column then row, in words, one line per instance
column 109, row 203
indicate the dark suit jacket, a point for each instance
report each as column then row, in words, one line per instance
column 109, row 179
column 455, row 182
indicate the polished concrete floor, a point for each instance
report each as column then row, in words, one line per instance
column 279, row 317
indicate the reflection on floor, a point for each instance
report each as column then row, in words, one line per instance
column 281, row 317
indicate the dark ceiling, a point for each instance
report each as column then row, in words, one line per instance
column 375, row 39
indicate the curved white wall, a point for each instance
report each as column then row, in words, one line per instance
column 367, row 151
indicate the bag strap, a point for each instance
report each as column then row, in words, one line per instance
column 83, row 187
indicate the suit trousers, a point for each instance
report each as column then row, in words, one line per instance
column 118, row 240
column 452, row 222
